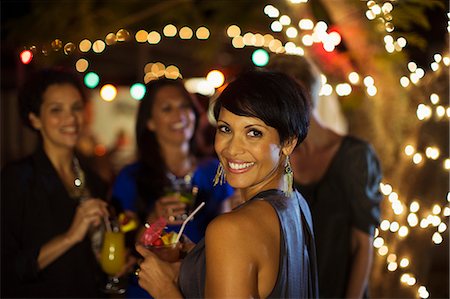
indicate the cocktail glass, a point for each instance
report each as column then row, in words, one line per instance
column 112, row 260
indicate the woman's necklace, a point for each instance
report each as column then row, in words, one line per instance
column 78, row 182
column 177, row 181
column 184, row 180
column 82, row 194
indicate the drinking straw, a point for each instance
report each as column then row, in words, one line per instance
column 107, row 224
column 186, row 221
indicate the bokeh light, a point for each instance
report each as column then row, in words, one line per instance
column 26, row 56
column 137, row 91
column 108, row 92
column 260, row 57
column 215, row 78
column 91, row 80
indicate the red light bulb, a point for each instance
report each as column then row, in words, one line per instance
column 26, row 56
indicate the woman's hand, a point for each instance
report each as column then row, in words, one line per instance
column 89, row 212
column 158, row 277
column 169, row 207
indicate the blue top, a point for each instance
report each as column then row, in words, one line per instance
column 297, row 272
column 125, row 193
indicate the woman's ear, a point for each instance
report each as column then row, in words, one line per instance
column 289, row 146
column 150, row 125
column 35, row 121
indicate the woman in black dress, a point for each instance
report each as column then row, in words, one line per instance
column 339, row 176
column 264, row 248
column 49, row 200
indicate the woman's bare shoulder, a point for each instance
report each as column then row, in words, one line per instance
column 256, row 220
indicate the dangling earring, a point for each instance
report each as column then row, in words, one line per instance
column 289, row 180
column 220, row 175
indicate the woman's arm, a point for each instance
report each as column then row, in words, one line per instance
column 362, row 251
column 231, row 270
column 89, row 212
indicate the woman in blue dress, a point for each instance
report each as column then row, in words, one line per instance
column 168, row 179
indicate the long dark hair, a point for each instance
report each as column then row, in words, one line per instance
column 151, row 177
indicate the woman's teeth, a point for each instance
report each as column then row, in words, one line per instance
column 69, row 129
column 178, row 126
column 238, row 166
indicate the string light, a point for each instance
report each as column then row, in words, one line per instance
column 170, row 30
column 141, row 36
column 26, row 56
column 186, row 33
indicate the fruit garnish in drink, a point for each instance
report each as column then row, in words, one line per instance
column 153, row 232
column 126, row 223
column 169, row 238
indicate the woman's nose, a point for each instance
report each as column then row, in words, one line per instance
column 71, row 114
column 235, row 146
column 179, row 114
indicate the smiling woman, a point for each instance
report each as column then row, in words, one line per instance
column 264, row 248
column 169, row 179
column 49, row 200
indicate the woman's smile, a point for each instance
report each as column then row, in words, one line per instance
column 239, row 167
column 249, row 150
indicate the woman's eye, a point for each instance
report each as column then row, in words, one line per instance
column 186, row 106
column 166, row 109
column 254, row 133
column 223, row 129
column 55, row 110
column 78, row 108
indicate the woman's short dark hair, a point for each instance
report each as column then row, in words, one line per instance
column 275, row 98
column 32, row 91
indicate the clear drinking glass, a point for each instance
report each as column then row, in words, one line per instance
column 112, row 260
column 186, row 194
column 169, row 253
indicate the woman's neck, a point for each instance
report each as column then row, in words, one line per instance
column 319, row 136
column 178, row 159
column 61, row 159
column 276, row 182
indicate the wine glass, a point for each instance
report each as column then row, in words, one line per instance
column 112, row 259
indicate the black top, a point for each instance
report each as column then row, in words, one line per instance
column 297, row 274
column 347, row 196
column 35, row 208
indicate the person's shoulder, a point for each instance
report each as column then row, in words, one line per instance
column 249, row 218
column 207, row 163
column 206, row 169
column 130, row 169
column 355, row 141
column 355, row 145
column 253, row 226
column 228, row 229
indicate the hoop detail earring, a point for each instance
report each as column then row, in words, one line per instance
column 289, row 180
column 220, row 175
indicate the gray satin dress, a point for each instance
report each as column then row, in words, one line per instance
column 297, row 273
